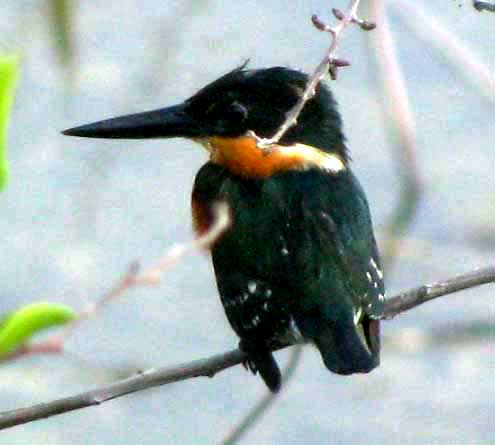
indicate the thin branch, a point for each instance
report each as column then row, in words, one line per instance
column 258, row 410
column 147, row 379
column 210, row 366
column 221, row 223
column 125, row 282
column 461, row 56
column 152, row 276
column 132, row 278
column 328, row 63
column 410, row 299
column 401, row 127
column 480, row 5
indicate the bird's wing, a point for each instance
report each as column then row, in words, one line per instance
column 309, row 231
column 300, row 252
column 336, row 270
column 333, row 242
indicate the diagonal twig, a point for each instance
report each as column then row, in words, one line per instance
column 152, row 276
column 460, row 55
column 328, row 62
column 258, row 410
column 133, row 277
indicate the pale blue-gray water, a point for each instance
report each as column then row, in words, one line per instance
column 77, row 212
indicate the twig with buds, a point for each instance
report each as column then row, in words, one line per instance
column 329, row 64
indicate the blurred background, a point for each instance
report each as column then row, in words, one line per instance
column 77, row 212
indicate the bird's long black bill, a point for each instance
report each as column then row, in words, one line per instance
column 163, row 123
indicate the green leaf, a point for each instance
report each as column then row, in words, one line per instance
column 9, row 70
column 19, row 326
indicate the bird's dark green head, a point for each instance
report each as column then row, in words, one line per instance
column 241, row 100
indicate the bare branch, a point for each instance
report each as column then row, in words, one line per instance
column 401, row 126
column 148, row 379
column 461, row 56
column 221, row 223
column 328, row 63
column 410, row 299
column 133, row 277
column 210, row 366
column 483, row 6
column 152, row 275
column 124, row 283
column 266, row 402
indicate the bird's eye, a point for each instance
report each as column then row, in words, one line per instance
column 227, row 118
column 236, row 111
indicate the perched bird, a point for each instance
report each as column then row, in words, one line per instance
column 299, row 261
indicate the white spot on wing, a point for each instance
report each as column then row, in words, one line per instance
column 377, row 269
column 256, row 320
column 252, row 287
column 294, row 330
column 357, row 316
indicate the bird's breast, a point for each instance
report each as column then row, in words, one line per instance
column 242, row 157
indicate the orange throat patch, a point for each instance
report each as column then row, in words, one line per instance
column 241, row 156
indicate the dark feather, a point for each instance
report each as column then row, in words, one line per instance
column 313, row 251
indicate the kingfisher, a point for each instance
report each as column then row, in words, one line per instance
column 299, row 261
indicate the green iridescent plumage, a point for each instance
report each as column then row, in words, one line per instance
column 300, row 258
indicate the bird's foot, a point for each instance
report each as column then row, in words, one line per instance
column 247, row 362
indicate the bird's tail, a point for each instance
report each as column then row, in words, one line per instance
column 346, row 347
column 260, row 360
